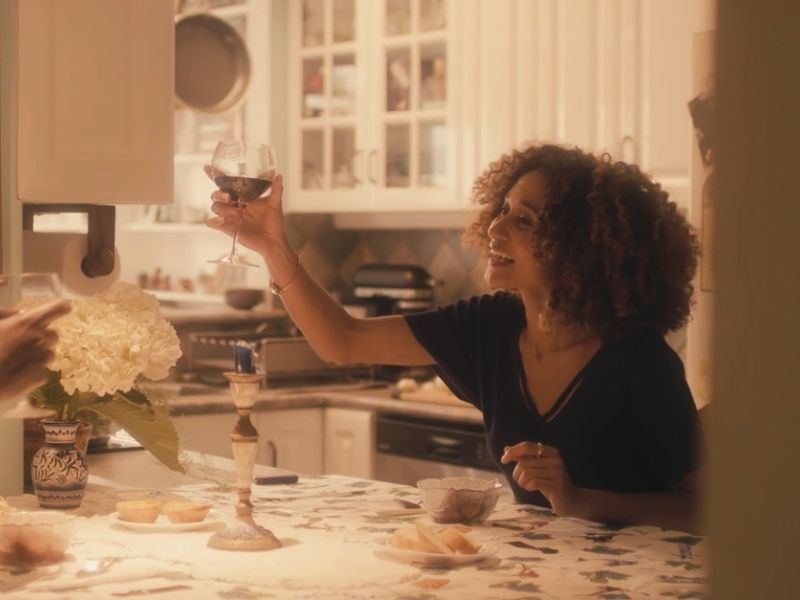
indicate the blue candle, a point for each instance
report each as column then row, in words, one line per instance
column 244, row 357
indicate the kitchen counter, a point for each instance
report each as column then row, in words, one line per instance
column 377, row 399
column 333, row 541
column 180, row 316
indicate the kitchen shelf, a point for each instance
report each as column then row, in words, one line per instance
column 167, row 227
column 187, row 297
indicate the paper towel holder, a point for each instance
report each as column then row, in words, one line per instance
column 99, row 259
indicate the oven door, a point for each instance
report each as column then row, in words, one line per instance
column 411, row 448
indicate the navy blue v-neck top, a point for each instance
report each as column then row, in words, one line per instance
column 626, row 423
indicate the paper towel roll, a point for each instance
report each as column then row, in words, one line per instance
column 62, row 253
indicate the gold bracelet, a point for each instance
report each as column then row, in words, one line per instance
column 273, row 287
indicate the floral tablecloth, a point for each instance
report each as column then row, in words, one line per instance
column 331, row 532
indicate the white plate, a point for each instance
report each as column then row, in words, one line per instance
column 164, row 525
column 431, row 559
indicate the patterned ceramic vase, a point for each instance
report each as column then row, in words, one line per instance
column 58, row 470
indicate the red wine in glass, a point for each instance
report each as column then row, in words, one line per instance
column 242, row 190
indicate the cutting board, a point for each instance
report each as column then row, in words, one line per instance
column 433, row 397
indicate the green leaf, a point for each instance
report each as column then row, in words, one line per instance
column 52, row 395
column 150, row 426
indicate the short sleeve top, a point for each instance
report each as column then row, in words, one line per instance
column 629, row 425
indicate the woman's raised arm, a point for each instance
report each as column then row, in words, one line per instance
column 335, row 335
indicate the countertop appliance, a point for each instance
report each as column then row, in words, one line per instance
column 284, row 355
column 393, row 289
column 283, row 359
column 412, row 448
column 386, row 289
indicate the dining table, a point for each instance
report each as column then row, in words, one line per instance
column 334, row 533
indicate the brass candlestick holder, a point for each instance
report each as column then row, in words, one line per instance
column 244, row 534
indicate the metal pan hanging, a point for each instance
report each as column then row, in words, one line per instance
column 212, row 64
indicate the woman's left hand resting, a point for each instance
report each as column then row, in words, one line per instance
column 540, row 468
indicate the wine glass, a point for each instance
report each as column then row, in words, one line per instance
column 244, row 171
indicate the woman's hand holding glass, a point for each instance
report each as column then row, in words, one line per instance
column 261, row 227
column 242, row 172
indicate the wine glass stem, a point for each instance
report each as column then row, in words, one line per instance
column 235, row 247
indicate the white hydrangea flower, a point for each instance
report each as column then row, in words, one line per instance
column 110, row 339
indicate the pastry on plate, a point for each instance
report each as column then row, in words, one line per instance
column 139, row 511
column 186, row 511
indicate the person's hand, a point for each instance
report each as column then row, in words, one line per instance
column 25, row 346
column 539, row 467
column 262, row 219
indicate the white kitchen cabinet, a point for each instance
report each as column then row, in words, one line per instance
column 350, row 442
column 612, row 75
column 374, row 115
column 291, row 439
column 95, row 101
column 206, row 433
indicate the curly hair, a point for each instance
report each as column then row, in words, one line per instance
column 616, row 253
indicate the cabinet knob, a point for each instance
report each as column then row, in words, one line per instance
column 370, row 166
column 628, row 149
column 358, row 178
column 273, row 451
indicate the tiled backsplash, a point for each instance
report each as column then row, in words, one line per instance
column 332, row 255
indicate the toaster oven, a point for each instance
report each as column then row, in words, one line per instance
column 284, row 360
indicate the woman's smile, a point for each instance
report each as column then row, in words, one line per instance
column 498, row 258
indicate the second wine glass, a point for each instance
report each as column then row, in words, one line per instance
column 243, row 171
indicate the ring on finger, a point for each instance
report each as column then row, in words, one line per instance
column 539, row 449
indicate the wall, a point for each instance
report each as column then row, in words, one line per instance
column 332, row 255
column 701, row 211
column 755, row 522
column 10, row 235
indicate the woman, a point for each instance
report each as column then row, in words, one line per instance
column 585, row 406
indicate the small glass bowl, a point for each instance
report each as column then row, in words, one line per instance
column 459, row 499
column 34, row 538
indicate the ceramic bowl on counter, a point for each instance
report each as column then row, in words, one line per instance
column 459, row 499
column 244, row 298
column 34, row 538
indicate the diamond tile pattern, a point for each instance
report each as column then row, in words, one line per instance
column 332, row 255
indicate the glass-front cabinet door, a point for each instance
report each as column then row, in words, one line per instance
column 372, row 105
column 414, row 130
column 327, row 69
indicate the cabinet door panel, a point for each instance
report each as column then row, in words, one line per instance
column 95, row 101
column 398, row 156
column 209, row 434
column 398, row 79
column 295, row 437
column 350, row 442
column 577, row 98
column 398, row 17
column 313, row 142
column 385, row 115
